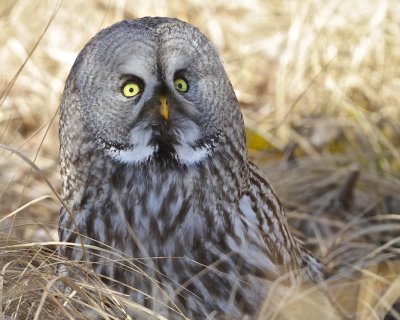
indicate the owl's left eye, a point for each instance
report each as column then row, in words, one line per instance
column 181, row 85
column 131, row 89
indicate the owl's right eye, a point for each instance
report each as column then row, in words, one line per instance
column 131, row 89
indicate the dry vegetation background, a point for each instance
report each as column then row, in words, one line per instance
column 319, row 86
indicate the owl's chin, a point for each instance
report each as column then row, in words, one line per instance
column 164, row 147
column 177, row 154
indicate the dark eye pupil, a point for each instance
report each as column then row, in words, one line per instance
column 131, row 90
column 180, row 85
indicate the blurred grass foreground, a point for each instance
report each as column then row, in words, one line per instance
column 319, row 86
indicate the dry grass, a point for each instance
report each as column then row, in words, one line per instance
column 319, row 85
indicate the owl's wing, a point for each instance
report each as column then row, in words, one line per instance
column 261, row 204
column 261, row 207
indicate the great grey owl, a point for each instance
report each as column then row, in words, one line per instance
column 154, row 169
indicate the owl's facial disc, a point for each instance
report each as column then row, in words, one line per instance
column 157, row 93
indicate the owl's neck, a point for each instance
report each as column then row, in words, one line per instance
column 158, row 199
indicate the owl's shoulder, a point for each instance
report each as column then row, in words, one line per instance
column 259, row 202
column 258, row 176
column 259, row 189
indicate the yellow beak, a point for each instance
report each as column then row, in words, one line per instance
column 164, row 107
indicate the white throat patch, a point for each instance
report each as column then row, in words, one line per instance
column 184, row 154
column 142, row 150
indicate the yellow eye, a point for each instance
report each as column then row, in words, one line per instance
column 181, row 85
column 131, row 89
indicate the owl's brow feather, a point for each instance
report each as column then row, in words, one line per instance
column 186, row 59
column 198, row 46
column 159, row 29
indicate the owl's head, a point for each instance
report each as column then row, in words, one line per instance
column 153, row 88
